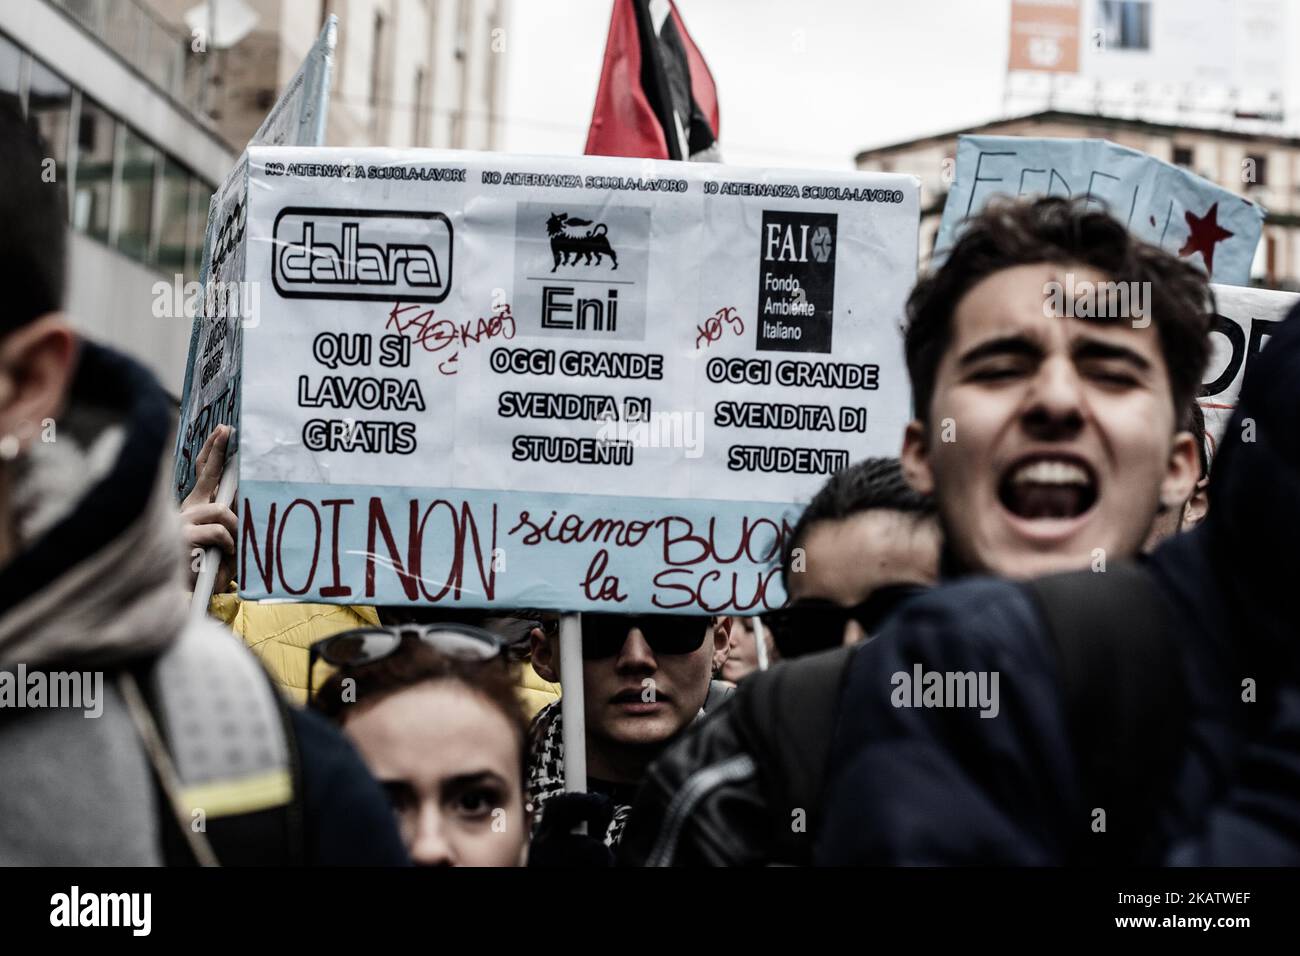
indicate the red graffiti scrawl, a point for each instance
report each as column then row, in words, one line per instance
column 1205, row 232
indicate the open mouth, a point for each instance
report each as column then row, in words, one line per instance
column 1047, row 486
column 634, row 696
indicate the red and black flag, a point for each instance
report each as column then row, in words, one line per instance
column 656, row 98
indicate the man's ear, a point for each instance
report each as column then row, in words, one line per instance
column 36, row 366
column 1182, row 471
column 1198, row 505
column 915, row 458
column 541, row 651
column 721, row 641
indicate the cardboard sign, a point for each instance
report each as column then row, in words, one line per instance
column 499, row 381
column 1162, row 204
column 1246, row 320
column 210, row 395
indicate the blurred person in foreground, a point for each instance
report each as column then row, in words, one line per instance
column 142, row 723
column 1143, row 715
column 433, row 711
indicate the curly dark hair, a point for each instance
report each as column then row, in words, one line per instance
column 870, row 484
column 1013, row 232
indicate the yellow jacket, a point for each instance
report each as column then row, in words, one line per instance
column 280, row 635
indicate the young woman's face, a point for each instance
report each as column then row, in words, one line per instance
column 450, row 762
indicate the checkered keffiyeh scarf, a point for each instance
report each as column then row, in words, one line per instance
column 546, row 771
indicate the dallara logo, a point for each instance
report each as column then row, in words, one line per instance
column 368, row 254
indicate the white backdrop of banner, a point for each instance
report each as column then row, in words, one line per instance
column 572, row 383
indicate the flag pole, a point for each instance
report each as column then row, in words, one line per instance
column 572, row 714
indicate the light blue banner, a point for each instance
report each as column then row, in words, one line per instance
column 354, row 544
column 1166, row 205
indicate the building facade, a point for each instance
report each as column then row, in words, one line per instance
column 106, row 83
column 1260, row 166
column 423, row 73
column 144, row 119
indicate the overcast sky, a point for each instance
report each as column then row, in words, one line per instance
column 800, row 82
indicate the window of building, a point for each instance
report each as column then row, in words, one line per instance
column 135, row 191
column 1125, row 24
column 376, row 59
column 417, row 118
column 1183, row 156
column 96, row 138
column 200, row 199
column 11, row 66
column 172, row 252
column 1257, row 165
column 49, row 102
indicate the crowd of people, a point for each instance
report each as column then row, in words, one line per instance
column 1050, row 631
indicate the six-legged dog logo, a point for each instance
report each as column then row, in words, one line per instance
column 573, row 238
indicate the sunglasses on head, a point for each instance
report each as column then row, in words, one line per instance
column 806, row 627
column 603, row 635
column 366, row 645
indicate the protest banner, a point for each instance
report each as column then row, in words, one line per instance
column 1166, row 205
column 226, row 306
column 1246, row 319
column 497, row 381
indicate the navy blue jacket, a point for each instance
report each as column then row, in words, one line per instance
column 947, row 786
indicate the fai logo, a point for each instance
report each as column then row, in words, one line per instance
column 796, row 281
column 572, row 238
column 367, row 254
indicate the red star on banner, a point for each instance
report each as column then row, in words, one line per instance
column 1205, row 232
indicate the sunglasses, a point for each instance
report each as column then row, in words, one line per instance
column 603, row 635
column 806, row 627
column 366, row 645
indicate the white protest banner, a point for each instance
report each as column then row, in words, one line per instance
column 210, row 396
column 573, row 383
column 1245, row 322
column 1160, row 203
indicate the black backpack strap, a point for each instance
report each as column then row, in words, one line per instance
column 1126, row 702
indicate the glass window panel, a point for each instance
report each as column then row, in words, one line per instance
column 200, row 197
column 11, row 61
column 135, row 195
column 49, row 102
column 173, row 239
column 96, row 133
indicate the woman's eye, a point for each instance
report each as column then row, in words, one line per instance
column 476, row 803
